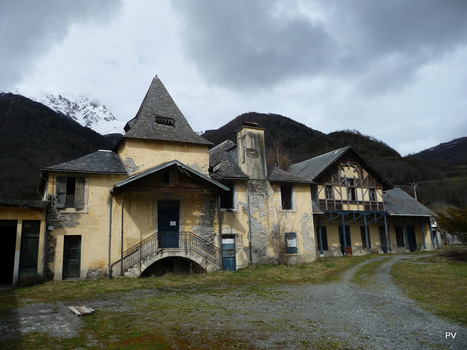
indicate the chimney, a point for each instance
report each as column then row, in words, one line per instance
column 252, row 150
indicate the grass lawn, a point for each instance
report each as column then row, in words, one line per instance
column 439, row 283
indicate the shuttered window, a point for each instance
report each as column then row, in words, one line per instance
column 70, row 192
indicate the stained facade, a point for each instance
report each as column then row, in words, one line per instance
column 165, row 200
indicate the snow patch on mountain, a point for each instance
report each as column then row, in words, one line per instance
column 88, row 112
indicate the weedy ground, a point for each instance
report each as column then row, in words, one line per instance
column 190, row 311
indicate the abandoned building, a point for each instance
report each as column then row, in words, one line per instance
column 165, row 200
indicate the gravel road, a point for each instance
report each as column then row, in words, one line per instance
column 337, row 314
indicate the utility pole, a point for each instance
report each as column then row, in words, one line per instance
column 414, row 188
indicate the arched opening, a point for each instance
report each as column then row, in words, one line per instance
column 174, row 265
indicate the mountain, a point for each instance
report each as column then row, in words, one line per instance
column 299, row 142
column 88, row 112
column 296, row 142
column 33, row 136
column 452, row 153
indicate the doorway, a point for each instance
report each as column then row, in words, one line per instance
column 228, row 253
column 7, row 250
column 72, row 257
column 382, row 238
column 346, row 248
column 168, row 225
column 412, row 240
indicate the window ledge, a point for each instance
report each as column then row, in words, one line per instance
column 73, row 211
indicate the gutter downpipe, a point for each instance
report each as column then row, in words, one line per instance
column 219, row 221
column 110, row 234
column 121, row 243
column 249, row 224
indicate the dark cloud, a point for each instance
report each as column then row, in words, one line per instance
column 245, row 44
column 378, row 44
column 30, row 28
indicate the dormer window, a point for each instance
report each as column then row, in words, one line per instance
column 164, row 121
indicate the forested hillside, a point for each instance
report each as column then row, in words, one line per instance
column 294, row 142
column 32, row 136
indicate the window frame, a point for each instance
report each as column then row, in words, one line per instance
column 290, row 193
column 79, row 197
column 233, row 196
column 291, row 245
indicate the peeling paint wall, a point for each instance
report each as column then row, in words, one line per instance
column 140, row 155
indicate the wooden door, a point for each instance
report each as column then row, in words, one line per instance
column 72, row 257
column 168, row 216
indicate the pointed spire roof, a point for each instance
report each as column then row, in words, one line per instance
column 159, row 118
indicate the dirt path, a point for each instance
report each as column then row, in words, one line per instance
column 331, row 315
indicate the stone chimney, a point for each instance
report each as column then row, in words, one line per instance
column 252, row 150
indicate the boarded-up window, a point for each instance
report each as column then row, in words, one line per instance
column 70, row 192
column 291, row 242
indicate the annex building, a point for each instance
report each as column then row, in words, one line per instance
column 165, row 200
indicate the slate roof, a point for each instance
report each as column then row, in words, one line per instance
column 184, row 168
column 33, row 204
column 399, row 203
column 223, row 162
column 310, row 169
column 100, row 162
column 276, row 174
column 159, row 105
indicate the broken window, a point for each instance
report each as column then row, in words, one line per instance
column 287, row 197
column 228, row 198
column 351, row 192
column 291, row 242
column 70, row 192
column 329, row 192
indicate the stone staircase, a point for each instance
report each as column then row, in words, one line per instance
column 144, row 254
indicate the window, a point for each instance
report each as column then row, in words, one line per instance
column 323, row 239
column 329, row 192
column 351, row 193
column 400, row 237
column 165, row 121
column 228, row 198
column 291, row 242
column 287, row 197
column 363, row 234
column 70, row 192
column 372, row 194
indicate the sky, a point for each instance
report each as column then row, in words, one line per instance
column 395, row 70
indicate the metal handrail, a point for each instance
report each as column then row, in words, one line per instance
column 187, row 241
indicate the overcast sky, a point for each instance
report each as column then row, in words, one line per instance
column 395, row 70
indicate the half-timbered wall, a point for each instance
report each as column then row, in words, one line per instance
column 348, row 186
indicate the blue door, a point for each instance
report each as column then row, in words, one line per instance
column 168, row 224
column 228, row 253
